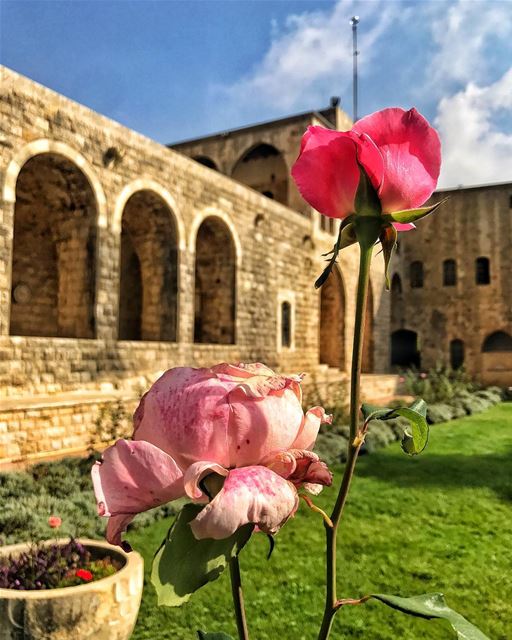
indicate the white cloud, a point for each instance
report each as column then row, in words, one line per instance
column 452, row 56
column 475, row 150
column 466, row 35
column 311, row 55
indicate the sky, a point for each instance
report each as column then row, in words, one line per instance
column 174, row 70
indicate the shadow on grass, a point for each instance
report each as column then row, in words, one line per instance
column 492, row 471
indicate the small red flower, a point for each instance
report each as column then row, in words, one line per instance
column 84, row 574
column 54, row 522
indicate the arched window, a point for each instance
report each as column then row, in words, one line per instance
column 456, row 354
column 332, row 321
column 482, row 271
column 397, row 306
column 54, row 250
column 286, row 324
column 497, row 341
column 206, row 161
column 148, row 290
column 264, row 169
column 449, row 273
column 416, row 273
column 404, row 349
column 215, row 279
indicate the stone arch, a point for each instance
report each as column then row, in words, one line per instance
column 206, row 161
column 404, row 349
column 145, row 184
column 332, row 321
column 56, row 214
column 263, row 168
column 212, row 212
column 215, row 282
column 148, row 283
column 367, row 362
column 496, row 342
column 42, row 146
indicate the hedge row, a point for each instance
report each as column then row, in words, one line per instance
column 332, row 441
column 63, row 489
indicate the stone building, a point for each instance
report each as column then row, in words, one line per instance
column 452, row 286
column 120, row 258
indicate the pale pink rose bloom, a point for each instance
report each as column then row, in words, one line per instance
column 243, row 423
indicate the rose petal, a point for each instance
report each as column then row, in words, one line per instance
column 186, row 414
column 299, row 466
column 251, row 494
column 195, row 473
column 404, row 226
column 134, row 477
column 261, row 425
column 306, row 437
column 326, row 171
column 411, row 150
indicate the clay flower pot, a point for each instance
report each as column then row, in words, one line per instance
column 104, row 609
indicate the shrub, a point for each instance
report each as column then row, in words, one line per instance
column 440, row 412
column 379, row 435
column 440, row 384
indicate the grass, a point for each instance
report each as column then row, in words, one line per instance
column 438, row 522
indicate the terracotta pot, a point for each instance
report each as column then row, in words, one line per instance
column 105, row 609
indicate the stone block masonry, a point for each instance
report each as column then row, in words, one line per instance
column 120, row 258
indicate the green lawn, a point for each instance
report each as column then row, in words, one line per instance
column 438, row 522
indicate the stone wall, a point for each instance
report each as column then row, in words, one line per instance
column 457, row 307
column 149, row 205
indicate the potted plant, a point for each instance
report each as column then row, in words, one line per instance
column 76, row 589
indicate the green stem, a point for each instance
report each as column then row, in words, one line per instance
column 238, row 599
column 331, row 601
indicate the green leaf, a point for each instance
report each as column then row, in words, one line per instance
column 213, row 636
column 388, row 236
column 183, row 564
column 431, row 606
column 415, row 439
column 412, row 215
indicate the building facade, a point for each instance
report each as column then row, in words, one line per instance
column 452, row 286
column 120, row 258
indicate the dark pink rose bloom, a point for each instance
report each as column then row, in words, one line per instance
column 399, row 150
column 243, row 423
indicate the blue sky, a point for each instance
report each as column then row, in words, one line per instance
column 174, row 70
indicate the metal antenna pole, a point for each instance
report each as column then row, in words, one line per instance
column 354, row 21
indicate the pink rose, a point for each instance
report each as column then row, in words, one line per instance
column 242, row 423
column 399, row 150
column 54, row 522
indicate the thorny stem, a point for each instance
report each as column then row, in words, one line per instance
column 332, row 604
column 238, row 599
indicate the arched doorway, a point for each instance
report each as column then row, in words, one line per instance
column 332, row 321
column 54, row 250
column 456, row 353
column 148, row 288
column 264, row 169
column 368, row 342
column 404, row 349
column 497, row 359
column 215, row 283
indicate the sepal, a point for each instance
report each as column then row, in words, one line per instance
column 388, row 237
column 412, row 215
column 346, row 237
